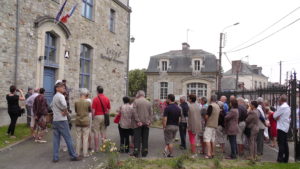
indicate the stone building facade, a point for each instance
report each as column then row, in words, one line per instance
column 181, row 72
column 250, row 77
column 91, row 49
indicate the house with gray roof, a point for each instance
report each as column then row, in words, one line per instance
column 246, row 76
column 181, row 72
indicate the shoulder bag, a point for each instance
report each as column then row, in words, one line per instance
column 106, row 115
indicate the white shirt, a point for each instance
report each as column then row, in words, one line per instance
column 261, row 125
column 284, row 114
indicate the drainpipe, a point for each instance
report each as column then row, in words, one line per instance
column 127, row 71
column 17, row 44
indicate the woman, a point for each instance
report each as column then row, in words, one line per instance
column 13, row 108
column 40, row 111
column 220, row 134
column 252, row 125
column 231, row 127
column 273, row 126
column 125, row 124
column 82, row 122
column 194, row 123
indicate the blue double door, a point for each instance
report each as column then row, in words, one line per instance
column 49, row 82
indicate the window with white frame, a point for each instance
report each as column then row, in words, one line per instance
column 197, row 65
column 260, row 85
column 198, row 89
column 112, row 20
column 163, row 90
column 164, row 65
column 85, row 66
column 255, row 85
column 87, row 9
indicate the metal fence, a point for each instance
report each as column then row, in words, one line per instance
column 272, row 94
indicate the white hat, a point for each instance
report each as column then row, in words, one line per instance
column 58, row 81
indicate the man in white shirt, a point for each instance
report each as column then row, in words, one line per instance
column 282, row 115
column 261, row 125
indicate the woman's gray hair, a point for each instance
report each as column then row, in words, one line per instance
column 260, row 100
column 84, row 92
column 140, row 93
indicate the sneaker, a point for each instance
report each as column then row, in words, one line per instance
column 13, row 137
column 41, row 141
column 170, row 156
column 76, row 159
column 65, row 149
column 166, row 153
column 194, row 156
column 54, row 161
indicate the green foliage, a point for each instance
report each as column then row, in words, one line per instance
column 137, row 81
column 21, row 132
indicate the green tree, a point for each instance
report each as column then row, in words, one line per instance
column 137, row 81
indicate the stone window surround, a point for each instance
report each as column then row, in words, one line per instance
column 163, row 90
column 193, row 64
column 161, row 65
column 208, row 83
column 61, row 43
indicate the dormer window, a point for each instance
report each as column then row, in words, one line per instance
column 197, row 65
column 164, row 65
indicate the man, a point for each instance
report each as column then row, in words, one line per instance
column 261, row 125
column 142, row 118
column 183, row 121
column 170, row 124
column 242, row 124
column 212, row 118
column 28, row 94
column 282, row 115
column 29, row 103
column 60, row 124
column 100, row 106
column 232, row 97
column 225, row 105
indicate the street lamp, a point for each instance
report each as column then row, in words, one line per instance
column 220, row 55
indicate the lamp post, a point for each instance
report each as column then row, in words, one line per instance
column 220, row 55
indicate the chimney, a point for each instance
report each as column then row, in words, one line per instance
column 185, row 46
column 236, row 66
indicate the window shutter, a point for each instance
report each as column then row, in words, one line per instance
column 170, row 88
column 155, row 90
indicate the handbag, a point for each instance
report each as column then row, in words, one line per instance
column 106, row 115
column 247, row 131
column 117, row 118
column 21, row 111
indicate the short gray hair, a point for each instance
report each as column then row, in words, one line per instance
column 260, row 100
column 183, row 98
column 213, row 98
column 84, row 92
column 240, row 99
column 140, row 93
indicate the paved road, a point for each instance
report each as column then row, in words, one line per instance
column 39, row 156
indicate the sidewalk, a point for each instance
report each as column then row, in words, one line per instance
column 39, row 156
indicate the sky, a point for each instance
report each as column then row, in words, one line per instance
column 159, row 26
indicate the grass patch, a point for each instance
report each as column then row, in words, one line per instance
column 185, row 162
column 21, row 132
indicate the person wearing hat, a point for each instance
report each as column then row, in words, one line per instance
column 60, row 124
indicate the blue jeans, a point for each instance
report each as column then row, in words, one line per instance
column 61, row 128
column 233, row 145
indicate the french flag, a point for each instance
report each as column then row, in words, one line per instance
column 65, row 18
column 57, row 18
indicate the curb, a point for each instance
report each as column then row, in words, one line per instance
column 16, row 143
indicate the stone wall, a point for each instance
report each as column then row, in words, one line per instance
column 106, row 72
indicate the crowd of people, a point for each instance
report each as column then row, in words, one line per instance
column 240, row 122
column 208, row 124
